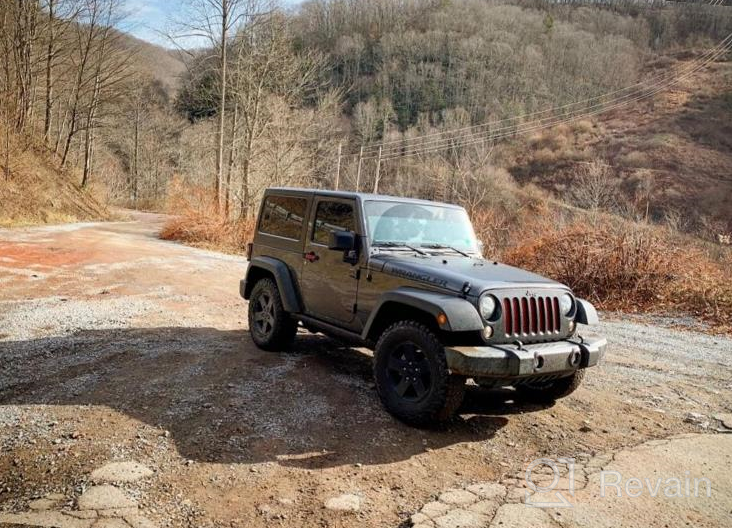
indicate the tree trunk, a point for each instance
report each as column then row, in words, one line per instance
column 245, row 169
column 232, row 157
column 222, row 103
column 69, row 137
column 136, row 156
column 49, row 70
column 89, row 131
column 7, row 148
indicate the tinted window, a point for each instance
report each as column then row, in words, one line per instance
column 420, row 225
column 283, row 216
column 332, row 216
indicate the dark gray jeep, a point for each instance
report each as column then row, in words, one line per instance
column 407, row 279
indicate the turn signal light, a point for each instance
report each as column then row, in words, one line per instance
column 442, row 319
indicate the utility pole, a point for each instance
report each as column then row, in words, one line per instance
column 338, row 168
column 358, row 174
column 378, row 173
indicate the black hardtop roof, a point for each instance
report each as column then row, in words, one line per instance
column 364, row 197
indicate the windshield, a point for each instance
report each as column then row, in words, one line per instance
column 419, row 225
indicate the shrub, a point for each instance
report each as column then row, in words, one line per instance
column 583, row 126
column 635, row 159
column 199, row 222
column 629, row 268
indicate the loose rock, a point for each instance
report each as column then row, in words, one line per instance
column 462, row 519
column 346, row 502
column 487, row 490
column 121, row 472
column 104, row 497
column 434, row 509
column 725, row 418
column 458, row 497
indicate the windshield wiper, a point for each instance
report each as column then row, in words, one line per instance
column 442, row 246
column 398, row 245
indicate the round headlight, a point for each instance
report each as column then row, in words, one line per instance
column 566, row 303
column 487, row 306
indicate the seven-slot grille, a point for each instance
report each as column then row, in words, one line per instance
column 525, row 316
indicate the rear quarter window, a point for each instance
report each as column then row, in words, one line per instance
column 283, row 216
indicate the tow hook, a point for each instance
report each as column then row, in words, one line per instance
column 538, row 361
column 574, row 359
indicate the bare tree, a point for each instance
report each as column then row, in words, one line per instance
column 215, row 21
column 5, row 93
column 61, row 14
column 265, row 66
column 23, row 17
column 594, row 187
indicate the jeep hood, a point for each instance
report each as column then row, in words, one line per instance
column 452, row 272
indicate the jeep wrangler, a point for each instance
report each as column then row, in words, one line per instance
column 407, row 279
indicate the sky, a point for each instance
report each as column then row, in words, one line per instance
column 150, row 19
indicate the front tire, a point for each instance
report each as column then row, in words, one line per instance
column 270, row 325
column 411, row 375
column 553, row 390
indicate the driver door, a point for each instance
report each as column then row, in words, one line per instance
column 329, row 279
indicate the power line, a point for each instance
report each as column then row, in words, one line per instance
column 550, row 121
column 532, row 127
column 403, row 146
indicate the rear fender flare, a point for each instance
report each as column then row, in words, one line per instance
column 283, row 278
column 462, row 316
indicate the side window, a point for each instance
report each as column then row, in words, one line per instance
column 283, row 216
column 330, row 217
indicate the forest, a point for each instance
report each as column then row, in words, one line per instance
column 496, row 105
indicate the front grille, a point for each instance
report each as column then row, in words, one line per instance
column 527, row 316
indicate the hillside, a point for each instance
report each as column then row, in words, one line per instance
column 156, row 62
column 669, row 157
column 35, row 191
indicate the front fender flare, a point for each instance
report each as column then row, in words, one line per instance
column 283, row 278
column 462, row 316
column 586, row 313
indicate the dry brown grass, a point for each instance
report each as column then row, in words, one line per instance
column 198, row 222
column 35, row 191
column 626, row 267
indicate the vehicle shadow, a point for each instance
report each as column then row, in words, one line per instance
column 223, row 400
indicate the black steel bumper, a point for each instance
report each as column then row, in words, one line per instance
column 512, row 361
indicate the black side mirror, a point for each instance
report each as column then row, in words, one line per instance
column 342, row 240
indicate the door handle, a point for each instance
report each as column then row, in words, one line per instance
column 311, row 256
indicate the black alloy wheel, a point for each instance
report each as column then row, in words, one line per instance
column 412, row 377
column 270, row 325
column 409, row 372
column 264, row 314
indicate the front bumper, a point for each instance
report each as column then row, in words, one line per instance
column 515, row 362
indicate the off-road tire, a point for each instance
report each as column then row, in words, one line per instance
column 445, row 393
column 554, row 390
column 280, row 330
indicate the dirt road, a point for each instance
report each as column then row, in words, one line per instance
column 117, row 346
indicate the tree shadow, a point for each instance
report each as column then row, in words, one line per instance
column 225, row 401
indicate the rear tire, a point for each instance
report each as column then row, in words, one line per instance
column 270, row 325
column 412, row 378
column 554, row 390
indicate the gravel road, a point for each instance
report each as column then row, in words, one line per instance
column 116, row 346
